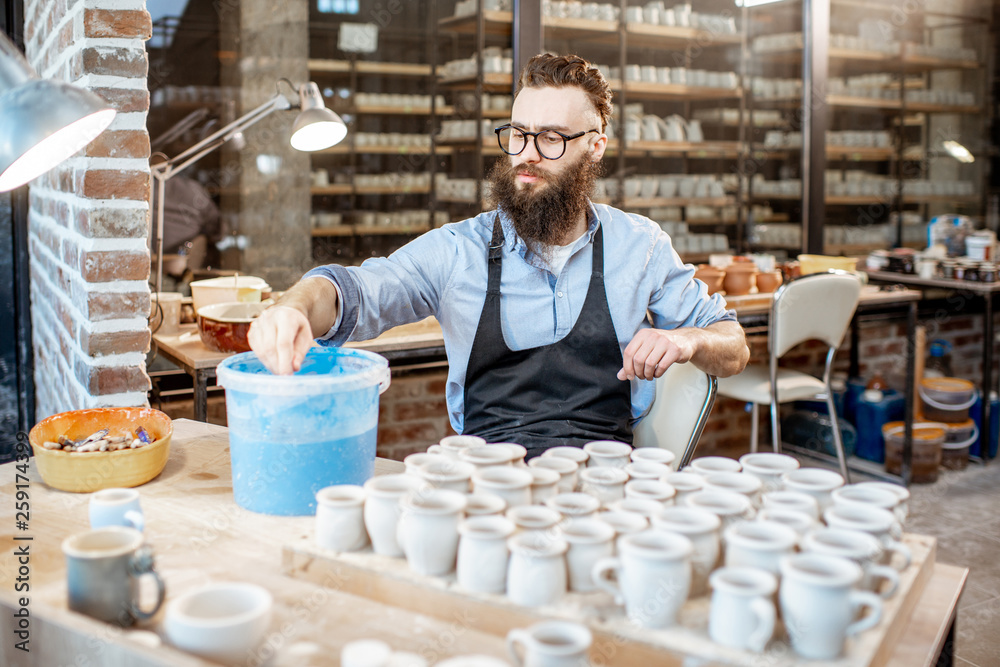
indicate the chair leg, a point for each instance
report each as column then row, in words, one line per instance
column 754, row 418
column 775, row 428
column 838, row 442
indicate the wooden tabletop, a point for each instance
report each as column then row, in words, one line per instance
column 871, row 296
column 199, row 535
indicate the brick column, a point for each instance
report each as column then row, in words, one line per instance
column 88, row 217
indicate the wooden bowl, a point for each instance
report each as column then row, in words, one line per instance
column 83, row 472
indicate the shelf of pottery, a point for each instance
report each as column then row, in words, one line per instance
column 384, row 187
column 676, row 565
column 886, row 97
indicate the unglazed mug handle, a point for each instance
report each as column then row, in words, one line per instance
column 601, row 569
column 858, row 600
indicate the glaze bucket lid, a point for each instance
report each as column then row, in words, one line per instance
column 323, row 370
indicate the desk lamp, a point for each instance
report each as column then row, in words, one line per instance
column 42, row 122
column 315, row 128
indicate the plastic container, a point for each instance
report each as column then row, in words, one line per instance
column 874, row 409
column 955, row 448
column 939, row 359
column 292, row 435
column 946, row 399
column 247, row 289
column 819, row 405
column 979, row 246
column 976, row 449
column 812, row 430
column 823, row 263
column 855, row 387
column 926, row 455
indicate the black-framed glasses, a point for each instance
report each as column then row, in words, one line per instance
column 550, row 144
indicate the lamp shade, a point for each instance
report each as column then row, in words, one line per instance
column 316, row 127
column 41, row 122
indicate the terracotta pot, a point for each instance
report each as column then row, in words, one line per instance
column 740, row 279
column 223, row 327
column 768, row 281
column 711, row 276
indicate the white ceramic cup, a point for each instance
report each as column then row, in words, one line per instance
column 427, row 531
column 791, row 500
column 567, row 468
column 544, row 483
column 769, row 467
column 484, row 504
column 447, row 473
column 652, row 576
column 623, row 522
column 706, row 465
column 510, row 483
column 534, row 518
column 170, row 308
column 453, row 444
column 647, row 470
column 742, row 612
column 642, row 506
column 759, row 544
column 728, row 506
column 382, row 510
column 536, row 573
column 575, row 454
column 116, row 507
column 862, row 548
column 550, row 644
column 340, row 520
column 684, row 483
column 486, row 457
column 650, row 489
column 653, row 454
column 574, row 505
column 515, row 451
column 800, row 522
column 589, row 541
column 875, row 521
column 223, row 622
column 866, row 496
column 703, row 529
column 903, row 508
column 818, row 604
column 605, row 483
column 608, row 453
column 483, row 554
column 736, row 482
column 816, row 482
column 414, row 460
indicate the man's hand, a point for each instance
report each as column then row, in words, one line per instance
column 650, row 353
column 281, row 337
column 719, row 349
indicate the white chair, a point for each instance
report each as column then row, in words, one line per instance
column 685, row 395
column 815, row 306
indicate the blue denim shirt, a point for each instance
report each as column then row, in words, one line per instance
column 443, row 273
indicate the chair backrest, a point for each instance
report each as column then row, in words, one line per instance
column 684, row 398
column 818, row 305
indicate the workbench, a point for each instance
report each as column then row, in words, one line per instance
column 199, row 535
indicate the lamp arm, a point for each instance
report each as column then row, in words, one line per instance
column 186, row 158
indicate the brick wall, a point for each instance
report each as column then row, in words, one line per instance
column 412, row 413
column 88, row 217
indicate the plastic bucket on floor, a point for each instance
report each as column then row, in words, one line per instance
column 292, row 435
column 946, row 399
column 925, row 455
column 955, row 448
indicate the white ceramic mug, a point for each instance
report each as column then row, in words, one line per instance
column 340, row 520
column 791, row 500
column 605, row 483
column 736, row 482
column 742, row 612
column 510, row 483
column 800, row 522
column 816, row 482
column 866, row 496
column 641, row 506
column 534, row 518
column 903, row 508
column 706, row 465
column 382, row 495
column 759, row 544
column 223, row 622
column 769, row 467
column 544, row 483
column 609, row 453
column 116, row 507
column 550, row 644
column 515, row 451
column 483, row 554
column 684, row 483
column 624, row 523
column 447, row 473
column 818, row 604
column 862, row 548
column 575, row 454
column 728, row 506
column 567, row 468
column 484, row 504
column 413, row 461
column 453, row 444
column 702, row 528
column 589, row 541
column 574, row 505
column 486, row 457
column 536, row 573
column 427, row 531
column 650, row 489
column 653, row 454
column 647, row 470
column 875, row 521
column 652, row 576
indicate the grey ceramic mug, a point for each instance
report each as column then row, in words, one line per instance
column 103, row 567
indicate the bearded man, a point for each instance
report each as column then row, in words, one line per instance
column 556, row 312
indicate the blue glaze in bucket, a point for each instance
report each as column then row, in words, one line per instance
column 292, row 435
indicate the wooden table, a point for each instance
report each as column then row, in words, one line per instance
column 985, row 291
column 200, row 535
column 408, row 342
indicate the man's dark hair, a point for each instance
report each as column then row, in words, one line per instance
column 548, row 70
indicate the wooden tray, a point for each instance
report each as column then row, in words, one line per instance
column 616, row 641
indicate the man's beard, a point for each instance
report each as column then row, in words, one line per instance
column 543, row 212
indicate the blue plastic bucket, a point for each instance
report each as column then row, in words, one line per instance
column 292, row 435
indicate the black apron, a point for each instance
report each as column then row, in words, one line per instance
column 566, row 393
